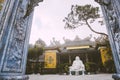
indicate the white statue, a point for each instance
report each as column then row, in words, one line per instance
column 77, row 66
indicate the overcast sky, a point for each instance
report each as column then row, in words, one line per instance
column 48, row 21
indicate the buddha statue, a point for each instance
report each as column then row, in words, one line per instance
column 77, row 66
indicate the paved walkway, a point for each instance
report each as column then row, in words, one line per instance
column 72, row 77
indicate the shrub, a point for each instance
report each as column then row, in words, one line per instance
column 91, row 67
column 109, row 66
column 63, row 68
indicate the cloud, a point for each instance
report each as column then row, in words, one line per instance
column 48, row 21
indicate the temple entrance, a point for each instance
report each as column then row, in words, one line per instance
column 55, row 40
column 16, row 17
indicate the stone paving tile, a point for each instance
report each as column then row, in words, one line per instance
column 72, row 77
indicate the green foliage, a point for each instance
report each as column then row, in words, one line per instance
column 109, row 66
column 83, row 15
column 87, row 12
column 37, row 68
column 109, row 63
column 91, row 67
column 1, row 2
column 34, row 53
column 63, row 68
column 80, row 14
column 33, row 65
column 29, row 68
column 31, row 53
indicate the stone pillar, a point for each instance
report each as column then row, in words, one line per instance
column 111, row 12
column 15, row 25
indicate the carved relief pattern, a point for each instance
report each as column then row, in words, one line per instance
column 114, row 23
column 2, row 18
column 113, row 20
column 31, row 5
column 16, row 46
column 14, row 56
column 14, row 53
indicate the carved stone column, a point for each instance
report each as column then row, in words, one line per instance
column 15, row 25
column 111, row 12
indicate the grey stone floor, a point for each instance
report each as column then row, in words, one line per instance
column 72, row 77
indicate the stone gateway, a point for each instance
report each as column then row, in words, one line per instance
column 15, row 24
column 111, row 12
column 16, row 18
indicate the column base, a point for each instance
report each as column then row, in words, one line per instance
column 24, row 77
column 116, row 76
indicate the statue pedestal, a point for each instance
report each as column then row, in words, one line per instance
column 24, row 77
column 76, row 72
column 116, row 76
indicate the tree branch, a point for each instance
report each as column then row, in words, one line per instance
column 94, row 30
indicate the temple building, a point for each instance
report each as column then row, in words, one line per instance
column 57, row 54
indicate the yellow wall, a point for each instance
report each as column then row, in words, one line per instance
column 50, row 59
column 104, row 54
column 1, row 2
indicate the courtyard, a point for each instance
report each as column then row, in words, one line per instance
column 71, row 77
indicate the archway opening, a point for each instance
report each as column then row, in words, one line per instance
column 48, row 25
